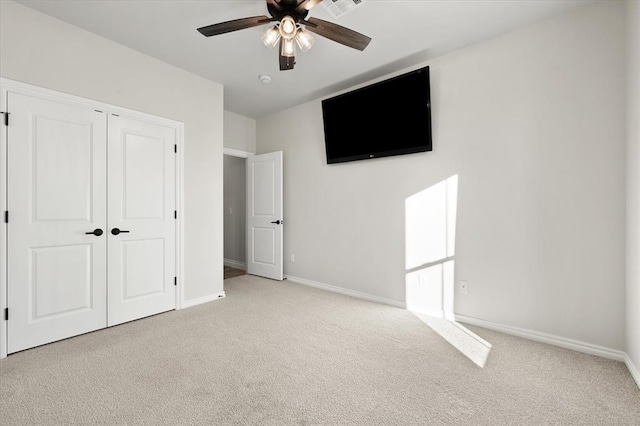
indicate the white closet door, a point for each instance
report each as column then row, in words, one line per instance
column 141, row 204
column 57, row 194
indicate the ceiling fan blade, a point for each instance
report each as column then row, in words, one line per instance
column 234, row 25
column 286, row 62
column 275, row 4
column 307, row 5
column 337, row 33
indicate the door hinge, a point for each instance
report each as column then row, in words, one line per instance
column 6, row 216
column 175, row 280
column 6, row 118
column 175, row 214
column 6, row 314
column 175, row 148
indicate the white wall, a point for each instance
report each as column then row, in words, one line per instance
column 532, row 123
column 44, row 51
column 235, row 208
column 239, row 132
column 633, row 185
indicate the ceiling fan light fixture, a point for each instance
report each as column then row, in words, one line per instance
column 288, row 47
column 288, row 28
column 304, row 39
column 271, row 36
column 288, row 22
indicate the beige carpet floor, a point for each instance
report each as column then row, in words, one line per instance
column 279, row 353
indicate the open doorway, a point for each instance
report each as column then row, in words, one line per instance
column 253, row 214
column 235, row 263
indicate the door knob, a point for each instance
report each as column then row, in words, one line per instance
column 97, row 232
column 116, row 231
column 278, row 222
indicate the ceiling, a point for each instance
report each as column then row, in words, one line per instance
column 404, row 33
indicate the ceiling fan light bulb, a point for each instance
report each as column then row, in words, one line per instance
column 288, row 48
column 271, row 36
column 304, row 40
column 288, row 27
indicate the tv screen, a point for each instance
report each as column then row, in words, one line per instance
column 391, row 117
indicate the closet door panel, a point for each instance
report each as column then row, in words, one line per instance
column 142, row 227
column 56, row 195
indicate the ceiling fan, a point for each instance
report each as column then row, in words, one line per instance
column 291, row 28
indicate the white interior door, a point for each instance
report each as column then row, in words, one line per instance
column 264, row 215
column 57, row 195
column 141, row 205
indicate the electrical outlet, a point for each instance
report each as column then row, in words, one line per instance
column 463, row 287
column 293, row 258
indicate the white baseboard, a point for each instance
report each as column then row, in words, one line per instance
column 235, row 264
column 635, row 372
column 562, row 342
column 201, row 300
column 347, row 292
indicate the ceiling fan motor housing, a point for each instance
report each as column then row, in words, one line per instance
column 286, row 8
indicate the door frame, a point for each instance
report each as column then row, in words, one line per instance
column 246, row 155
column 8, row 85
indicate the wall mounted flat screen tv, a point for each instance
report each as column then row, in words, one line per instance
column 391, row 117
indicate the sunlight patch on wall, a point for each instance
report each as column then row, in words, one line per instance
column 430, row 231
column 426, row 226
column 430, row 290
